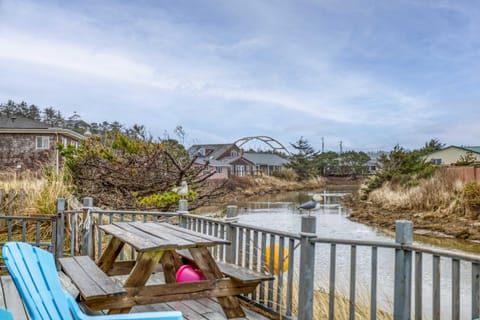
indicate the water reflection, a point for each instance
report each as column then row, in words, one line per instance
column 279, row 212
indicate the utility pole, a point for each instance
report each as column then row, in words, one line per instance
column 341, row 147
column 323, row 145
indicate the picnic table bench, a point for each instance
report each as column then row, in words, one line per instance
column 157, row 243
column 232, row 270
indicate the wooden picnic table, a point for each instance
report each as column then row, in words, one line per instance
column 157, row 242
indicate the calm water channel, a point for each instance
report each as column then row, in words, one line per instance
column 279, row 212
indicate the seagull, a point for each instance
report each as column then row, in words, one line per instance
column 312, row 204
column 182, row 191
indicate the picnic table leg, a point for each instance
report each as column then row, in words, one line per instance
column 105, row 262
column 210, row 270
column 169, row 265
column 144, row 267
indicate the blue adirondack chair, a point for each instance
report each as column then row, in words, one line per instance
column 35, row 275
column 5, row 314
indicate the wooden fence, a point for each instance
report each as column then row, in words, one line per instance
column 465, row 174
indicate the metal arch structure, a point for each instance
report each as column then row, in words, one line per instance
column 272, row 143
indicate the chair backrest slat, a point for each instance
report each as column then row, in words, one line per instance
column 5, row 314
column 34, row 273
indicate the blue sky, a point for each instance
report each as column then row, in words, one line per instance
column 368, row 73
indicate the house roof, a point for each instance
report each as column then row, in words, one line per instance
column 230, row 160
column 211, row 162
column 19, row 125
column 19, row 122
column 218, row 149
column 265, row 159
column 473, row 149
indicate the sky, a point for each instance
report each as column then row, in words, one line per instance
column 367, row 74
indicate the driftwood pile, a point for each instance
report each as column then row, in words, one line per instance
column 12, row 201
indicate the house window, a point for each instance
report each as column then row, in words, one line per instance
column 64, row 142
column 219, row 170
column 234, row 153
column 240, row 170
column 436, row 162
column 42, row 142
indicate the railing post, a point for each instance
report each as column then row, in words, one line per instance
column 403, row 271
column 231, row 217
column 307, row 268
column 87, row 226
column 182, row 209
column 60, row 231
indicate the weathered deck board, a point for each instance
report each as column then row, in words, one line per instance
column 200, row 309
column 11, row 299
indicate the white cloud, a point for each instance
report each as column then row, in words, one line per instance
column 248, row 63
column 337, row 103
column 74, row 58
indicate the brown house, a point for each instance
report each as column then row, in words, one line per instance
column 31, row 144
column 228, row 155
column 238, row 163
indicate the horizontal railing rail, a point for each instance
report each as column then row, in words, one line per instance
column 258, row 249
column 409, row 278
column 19, row 228
column 421, row 277
column 38, row 230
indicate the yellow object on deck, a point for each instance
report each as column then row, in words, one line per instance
column 275, row 259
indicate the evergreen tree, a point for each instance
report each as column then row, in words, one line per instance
column 431, row 146
column 354, row 163
column 326, row 162
column 302, row 161
column 49, row 115
column 33, row 112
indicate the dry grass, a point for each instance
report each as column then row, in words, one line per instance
column 268, row 184
column 342, row 306
column 321, row 300
column 442, row 191
column 33, row 194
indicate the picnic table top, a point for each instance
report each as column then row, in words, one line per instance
column 158, row 236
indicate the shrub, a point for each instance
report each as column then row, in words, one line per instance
column 471, row 194
column 440, row 190
column 286, row 174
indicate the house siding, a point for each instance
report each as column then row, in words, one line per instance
column 20, row 149
column 228, row 152
column 218, row 176
column 450, row 155
column 242, row 167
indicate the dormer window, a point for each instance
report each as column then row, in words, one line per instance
column 234, row 153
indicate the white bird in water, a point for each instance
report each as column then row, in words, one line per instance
column 182, row 190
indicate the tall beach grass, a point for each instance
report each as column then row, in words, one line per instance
column 31, row 193
column 441, row 191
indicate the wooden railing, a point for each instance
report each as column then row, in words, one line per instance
column 292, row 257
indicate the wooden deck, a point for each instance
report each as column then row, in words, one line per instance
column 200, row 309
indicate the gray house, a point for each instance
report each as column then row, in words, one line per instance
column 31, row 144
column 265, row 163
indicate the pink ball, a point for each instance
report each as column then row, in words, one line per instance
column 186, row 273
